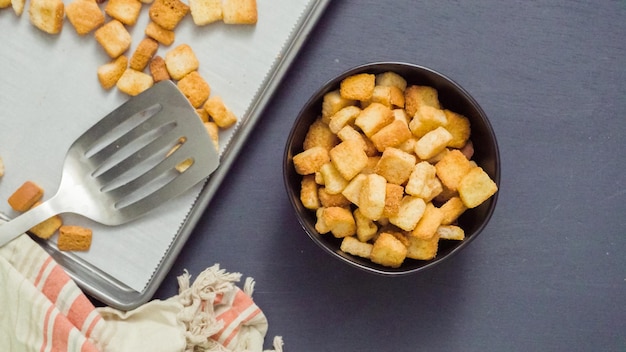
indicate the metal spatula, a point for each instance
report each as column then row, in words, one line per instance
column 149, row 150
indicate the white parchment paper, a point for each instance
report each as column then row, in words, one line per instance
column 49, row 95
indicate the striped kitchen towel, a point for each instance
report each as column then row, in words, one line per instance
column 42, row 309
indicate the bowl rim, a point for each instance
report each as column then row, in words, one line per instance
column 345, row 257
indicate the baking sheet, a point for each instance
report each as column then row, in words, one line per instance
column 49, row 94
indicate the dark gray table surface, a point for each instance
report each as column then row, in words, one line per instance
column 549, row 271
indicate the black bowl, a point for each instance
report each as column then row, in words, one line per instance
column 452, row 97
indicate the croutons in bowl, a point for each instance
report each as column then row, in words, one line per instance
column 392, row 168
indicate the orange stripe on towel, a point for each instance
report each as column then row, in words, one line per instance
column 54, row 283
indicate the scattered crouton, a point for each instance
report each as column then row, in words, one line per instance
column 204, row 12
column 143, row 54
column 114, row 38
column 240, row 11
column 84, row 15
column 218, row 111
column 161, row 35
column 74, row 238
column 180, row 61
column 47, row 15
column 25, row 196
column 168, row 13
column 125, row 11
column 133, row 82
column 110, row 73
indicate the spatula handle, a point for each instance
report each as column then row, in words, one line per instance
column 24, row 222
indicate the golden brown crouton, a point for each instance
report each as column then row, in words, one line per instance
column 358, row 87
column 388, row 251
column 84, row 15
column 319, row 135
column 159, row 71
column 428, row 223
column 451, row 168
column 426, row 119
column 343, row 117
column 416, row 96
column 110, row 73
column 332, row 200
column 349, row 158
column 218, row 111
column 308, row 192
column 114, row 38
column 240, row 11
column 74, row 238
column 161, row 35
column 372, row 196
column 5, row 3
column 450, row 232
column 366, row 229
column 373, row 118
column 389, row 96
column 476, row 187
column 410, row 211
column 143, row 53
column 393, row 199
column 204, row 12
column 452, row 209
column 333, row 102
column 459, row 127
column 392, row 135
column 25, row 196
column 180, row 61
column 333, row 181
column 48, row 227
column 352, row 190
column 310, row 160
column 197, row 90
column 339, row 220
column 391, row 79
column 419, row 179
column 353, row 246
column 395, row 165
column 125, row 11
column 432, row 143
column 47, row 15
column 168, row 13
column 422, row 249
column 18, row 6
column 134, row 82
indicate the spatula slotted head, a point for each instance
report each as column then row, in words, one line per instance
column 149, row 150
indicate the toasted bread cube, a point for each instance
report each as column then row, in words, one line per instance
column 319, row 135
column 372, row 196
column 5, row 3
column 168, row 13
column 388, row 251
column 331, row 200
column 391, row 79
column 114, row 38
column 389, row 96
column 349, row 158
column 428, row 223
column 450, row 232
column 308, row 192
column 125, row 11
column 420, row 176
column 340, row 221
column 373, row 118
column 218, row 111
column 47, row 228
column 476, row 187
column 143, row 53
column 180, row 61
column 197, row 90
column 432, row 143
column 343, row 117
column 213, row 131
column 84, row 15
column 18, row 6
column 160, row 34
column 204, row 12
column 333, row 102
column 74, row 238
column 426, row 119
column 366, row 229
column 395, row 165
column 393, row 199
column 159, row 71
column 459, row 127
column 358, row 87
column 25, row 196
column 451, row 168
column 134, row 82
column 240, row 11
column 392, row 135
column 47, row 15
column 422, row 249
column 333, row 181
column 353, row 246
column 416, row 96
column 348, row 133
column 352, row 190
column 320, row 224
column 432, row 189
column 110, row 73
column 310, row 160
column 409, row 214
